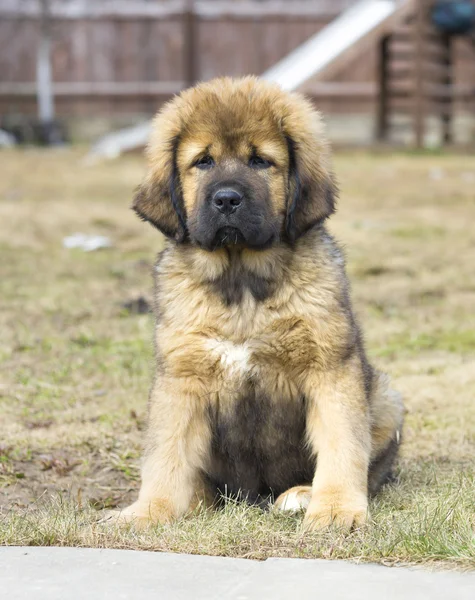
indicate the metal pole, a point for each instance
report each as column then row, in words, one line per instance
column 44, row 78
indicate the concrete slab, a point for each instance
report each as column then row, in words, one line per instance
column 78, row 573
column 341, row 580
column 93, row 574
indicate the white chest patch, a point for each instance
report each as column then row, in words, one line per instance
column 234, row 358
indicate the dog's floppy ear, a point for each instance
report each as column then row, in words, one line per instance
column 159, row 200
column 312, row 190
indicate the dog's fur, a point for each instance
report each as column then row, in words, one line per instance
column 262, row 381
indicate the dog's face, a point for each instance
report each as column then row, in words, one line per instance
column 233, row 177
column 236, row 162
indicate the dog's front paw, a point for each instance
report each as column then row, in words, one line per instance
column 141, row 514
column 341, row 510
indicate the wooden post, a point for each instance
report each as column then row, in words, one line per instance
column 418, row 92
column 382, row 125
column 190, row 43
column 447, row 101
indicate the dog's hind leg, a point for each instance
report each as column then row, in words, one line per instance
column 295, row 499
column 204, row 497
column 387, row 415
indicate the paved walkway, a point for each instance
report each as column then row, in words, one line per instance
column 81, row 573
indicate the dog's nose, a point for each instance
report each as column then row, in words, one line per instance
column 227, row 200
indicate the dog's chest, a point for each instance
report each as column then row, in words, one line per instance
column 276, row 355
column 258, row 426
column 258, row 444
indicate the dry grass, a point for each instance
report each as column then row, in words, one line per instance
column 76, row 365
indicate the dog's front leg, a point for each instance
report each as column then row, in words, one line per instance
column 176, row 449
column 338, row 429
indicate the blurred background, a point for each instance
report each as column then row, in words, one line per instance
column 397, row 71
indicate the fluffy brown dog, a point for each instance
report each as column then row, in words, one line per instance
column 262, row 382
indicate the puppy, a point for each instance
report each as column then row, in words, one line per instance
column 261, row 381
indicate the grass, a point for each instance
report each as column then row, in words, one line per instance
column 458, row 342
column 76, row 363
column 405, row 528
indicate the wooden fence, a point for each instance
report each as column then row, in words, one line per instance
column 127, row 56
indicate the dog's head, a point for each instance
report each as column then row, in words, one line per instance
column 236, row 162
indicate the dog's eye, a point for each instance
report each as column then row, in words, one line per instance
column 205, row 162
column 257, row 162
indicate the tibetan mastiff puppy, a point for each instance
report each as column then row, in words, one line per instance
column 262, row 388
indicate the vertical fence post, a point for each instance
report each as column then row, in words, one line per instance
column 190, row 43
column 447, row 100
column 419, row 96
column 383, row 105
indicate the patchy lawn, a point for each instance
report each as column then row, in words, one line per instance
column 76, row 363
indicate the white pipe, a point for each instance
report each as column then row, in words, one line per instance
column 320, row 50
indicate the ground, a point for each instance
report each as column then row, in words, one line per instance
column 76, row 358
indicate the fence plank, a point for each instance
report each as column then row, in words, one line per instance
column 78, row 9
column 125, row 9
column 131, row 54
